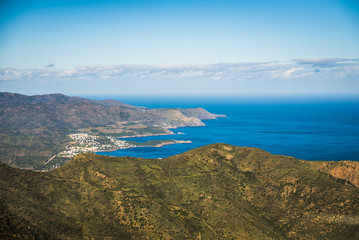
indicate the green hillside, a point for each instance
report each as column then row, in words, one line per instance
column 214, row 192
column 33, row 129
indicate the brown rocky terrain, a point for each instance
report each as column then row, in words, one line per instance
column 346, row 170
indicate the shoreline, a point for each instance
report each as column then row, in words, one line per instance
column 161, row 144
column 157, row 145
column 146, row 135
column 169, row 143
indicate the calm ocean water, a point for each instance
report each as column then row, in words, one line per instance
column 310, row 129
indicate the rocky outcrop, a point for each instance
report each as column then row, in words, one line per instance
column 345, row 170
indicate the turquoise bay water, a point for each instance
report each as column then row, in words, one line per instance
column 310, row 129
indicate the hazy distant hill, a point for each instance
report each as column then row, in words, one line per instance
column 34, row 128
column 214, row 192
column 60, row 111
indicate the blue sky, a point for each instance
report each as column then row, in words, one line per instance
column 184, row 35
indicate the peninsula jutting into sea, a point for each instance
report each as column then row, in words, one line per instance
column 217, row 191
column 44, row 131
column 179, row 120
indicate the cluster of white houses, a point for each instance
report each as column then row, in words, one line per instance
column 89, row 143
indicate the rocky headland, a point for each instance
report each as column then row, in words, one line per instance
column 34, row 129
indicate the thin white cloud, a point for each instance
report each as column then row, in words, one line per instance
column 289, row 72
column 233, row 71
column 329, row 74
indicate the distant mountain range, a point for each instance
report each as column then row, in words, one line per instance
column 34, row 128
column 213, row 192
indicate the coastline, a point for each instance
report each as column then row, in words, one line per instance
column 165, row 142
column 169, row 142
column 148, row 135
column 117, row 143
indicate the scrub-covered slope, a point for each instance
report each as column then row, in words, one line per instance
column 213, row 192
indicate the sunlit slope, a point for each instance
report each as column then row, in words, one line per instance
column 35, row 128
column 214, row 192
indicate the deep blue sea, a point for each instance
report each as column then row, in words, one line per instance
column 305, row 128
